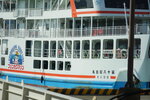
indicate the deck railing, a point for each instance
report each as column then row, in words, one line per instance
column 52, row 52
column 16, row 91
column 63, row 33
column 96, row 54
column 107, row 53
column 76, row 54
column 123, row 53
column 28, row 12
column 68, row 53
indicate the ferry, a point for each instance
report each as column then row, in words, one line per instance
column 73, row 43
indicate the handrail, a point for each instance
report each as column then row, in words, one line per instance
column 24, row 92
column 28, row 12
column 77, row 32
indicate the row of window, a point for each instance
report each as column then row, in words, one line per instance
column 52, row 65
column 85, row 49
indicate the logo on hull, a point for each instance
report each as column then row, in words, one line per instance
column 16, row 58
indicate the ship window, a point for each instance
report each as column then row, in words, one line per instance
column 137, row 48
column 13, row 5
column 37, row 49
column 76, row 49
column 4, row 47
column 62, row 4
column 55, row 4
column 6, row 5
column 47, row 5
column 3, row 61
column 28, row 48
column 53, row 49
column 45, row 64
column 67, row 66
column 45, row 48
column 108, row 49
column 60, row 49
column 121, row 48
column 81, row 4
column 68, row 49
column 140, row 4
column 59, row 65
column 86, row 26
column 77, row 25
column 37, row 64
column 52, row 65
column 85, row 49
column 68, row 4
column 96, row 49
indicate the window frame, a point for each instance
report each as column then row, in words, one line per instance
column 39, row 65
column 3, row 61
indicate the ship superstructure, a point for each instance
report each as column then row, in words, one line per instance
column 73, row 43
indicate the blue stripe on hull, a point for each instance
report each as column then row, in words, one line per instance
column 67, row 83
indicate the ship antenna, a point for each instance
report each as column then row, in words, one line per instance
column 126, row 19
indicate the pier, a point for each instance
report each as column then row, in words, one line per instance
column 16, row 91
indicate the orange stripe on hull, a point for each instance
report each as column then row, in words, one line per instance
column 113, row 77
column 48, row 74
column 108, row 12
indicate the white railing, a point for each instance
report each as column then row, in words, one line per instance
column 16, row 91
column 28, row 12
column 45, row 52
column 64, row 33
column 96, row 53
column 76, row 53
column 52, row 52
column 85, row 53
column 20, row 12
column 107, row 54
column 35, row 12
column 68, row 53
column 37, row 52
column 121, row 53
column 28, row 51
column 137, row 53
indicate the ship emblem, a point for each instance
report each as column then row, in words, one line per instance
column 16, row 56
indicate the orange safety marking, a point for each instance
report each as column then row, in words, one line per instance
column 108, row 12
column 85, row 91
column 109, row 91
column 101, row 91
column 73, row 8
column 112, row 77
column 76, row 91
column 68, row 91
column 48, row 74
column 60, row 90
column 93, row 91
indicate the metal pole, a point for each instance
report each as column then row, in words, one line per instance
column 130, row 82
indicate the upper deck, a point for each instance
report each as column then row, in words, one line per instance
column 70, row 18
column 39, row 9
